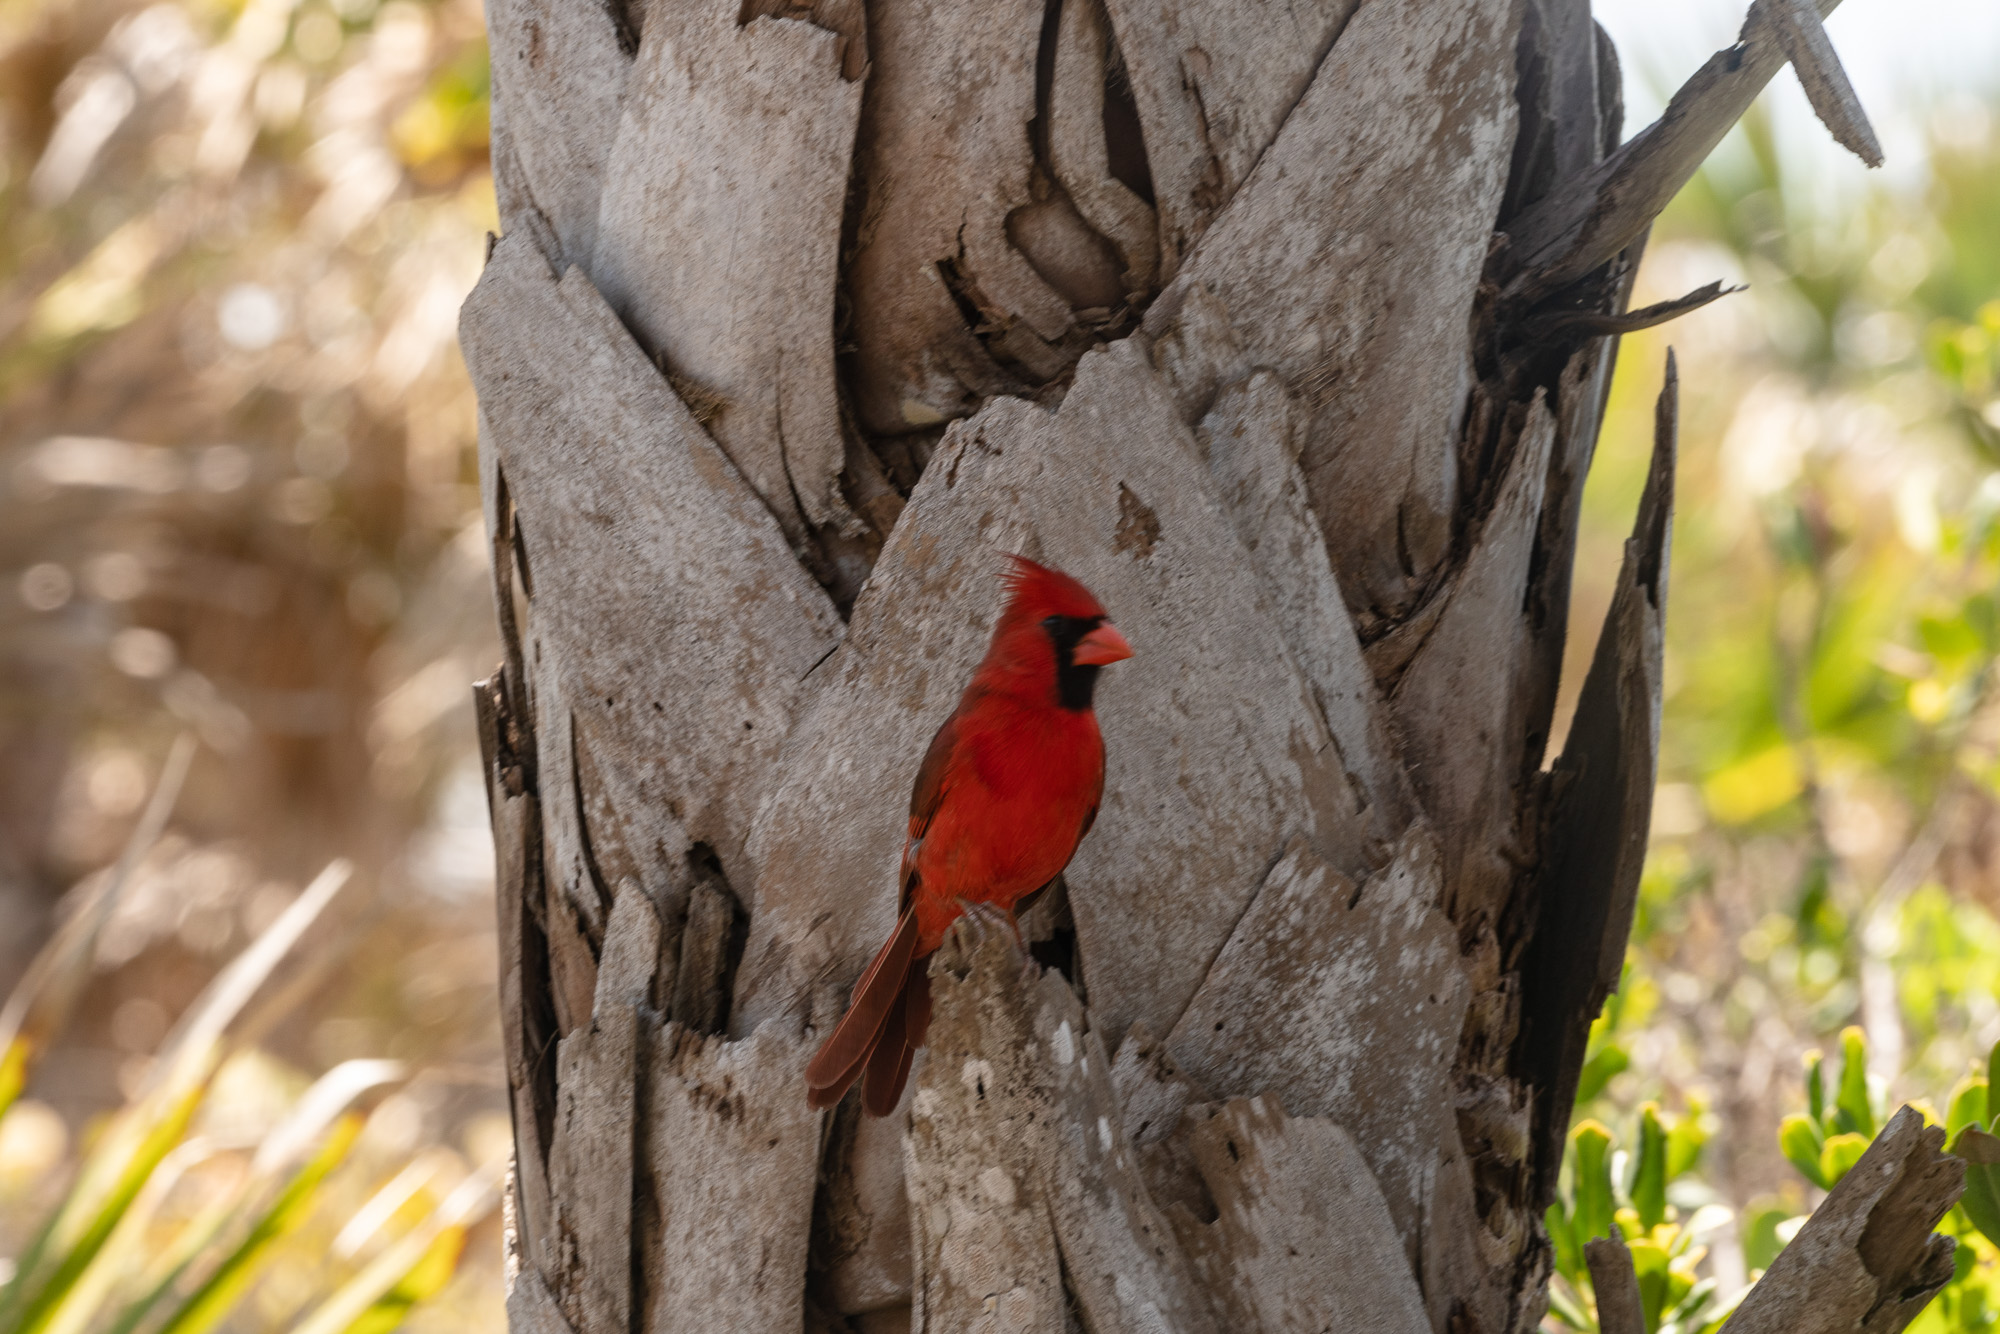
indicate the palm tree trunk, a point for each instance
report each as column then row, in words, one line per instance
column 804, row 314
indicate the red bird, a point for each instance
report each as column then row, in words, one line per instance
column 1009, row 787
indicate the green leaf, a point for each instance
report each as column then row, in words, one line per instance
column 1981, row 1201
column 1605, row 1063
column 1685, row 1141
column 1968, row 1107
column 1650, row 1261
column 227, row 1284
column 1800, row 1140
column 1838, row 1154
column 1992, row 1070
column 1591, row 1143
column 1649, row 1177
column 1855, row 1114
column 1760, row 1232
column 1816, row 1086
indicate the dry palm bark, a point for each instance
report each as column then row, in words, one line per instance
column 1288, row 333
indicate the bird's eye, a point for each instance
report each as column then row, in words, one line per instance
column 1052, row 623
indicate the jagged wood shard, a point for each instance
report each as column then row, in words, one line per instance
column 1615, row 1284
column 1588, row 219
column 1594, row 844
column 749, row 341
column 633, row 517
column 1350, row 215
column 1866, row 1260
column 1832, row 96
column 1252, row 438
column 590, row 1158
column 732, row 1157
column 1465, row 679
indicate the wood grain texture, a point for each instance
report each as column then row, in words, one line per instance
column 732, row 1155
column 588, row 1257
column 722, row 261
column 1866, row 1261
column 1021, row 1182
column 558, row 78
column 1615, row 1284
column 1217, row 753
column 1214, row 80
column 1252, row 436
column 1377, row 197
column 1465, row 690
column 632, row 517
column 943, row 159
column 1302, row 1241
column 1812, row 55
column 1344, row 1003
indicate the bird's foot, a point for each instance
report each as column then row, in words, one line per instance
column 982, row 917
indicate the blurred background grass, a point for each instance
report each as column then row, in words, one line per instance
column 237, row 500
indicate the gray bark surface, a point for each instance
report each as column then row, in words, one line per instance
column 1286, row 329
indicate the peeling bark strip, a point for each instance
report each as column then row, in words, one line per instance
column 1595, row 841
column 745, row 321
column 1866, row 1259
column 870, row 277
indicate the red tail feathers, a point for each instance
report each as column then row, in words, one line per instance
column 876, row 1034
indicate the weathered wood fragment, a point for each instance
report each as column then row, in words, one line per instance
column 1587, row 220
column 1079, row 154
column 530, row 1308
column 1347, row 1004
column 1252, row 437
column 723, row 262
column 943, row 159
column 1021, row 1181
column 558, row 77
column 1302, row 1240
column 1347, row 265
column 527, row 1022
column 732, row 1154
column 1866, row 1260
column 1213, row 82
column 1594, row 840
column 630, row 516
column 589, row 1256
column 1465, row 691
column 1615, row 1283
column 1832, row 96
column 1217, row 754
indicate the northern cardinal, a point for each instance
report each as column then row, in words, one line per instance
column 1008, row 788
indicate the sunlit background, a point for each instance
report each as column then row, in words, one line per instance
column 238, row 504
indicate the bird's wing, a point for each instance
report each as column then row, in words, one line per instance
column 934, row 780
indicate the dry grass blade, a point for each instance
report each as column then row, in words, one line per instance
column 41, row 1002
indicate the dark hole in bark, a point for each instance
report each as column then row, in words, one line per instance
column 1124, row 137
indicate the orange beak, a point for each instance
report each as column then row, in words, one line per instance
column 1102, row 645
